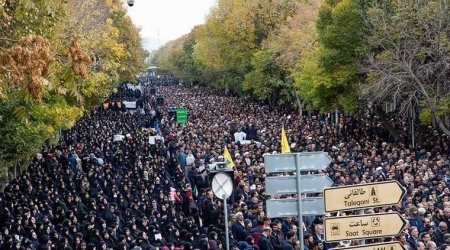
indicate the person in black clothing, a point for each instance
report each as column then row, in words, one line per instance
column 264, row 240
column 210, row 210
column 109, row 241
column 318, row 233
column 144, row 242
column 277, row 237
column 251, row 243
column 238, row 227
column 104, row 175
column 290, row 241
column 248, row 227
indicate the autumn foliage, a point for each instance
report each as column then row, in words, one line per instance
column 47, row 78
column 27, row 64
column 324, row 55
column 80, row 59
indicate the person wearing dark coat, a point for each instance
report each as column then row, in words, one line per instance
column 276, row 237
column 438, row 235
column 264, row 240
column 414, row 236
column 95, row 237
column 290, row 241
column 143, row 242
column 213, row 241
column 238, row 227
column 210, row 211
column 109, row 216
column 251, row 243
column 318, row 233
column 35, row 241
column 110, row 243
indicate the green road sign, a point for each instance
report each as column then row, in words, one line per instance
column 181, row 115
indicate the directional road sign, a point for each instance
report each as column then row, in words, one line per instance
column 363, row 226
column 394, row 245
column 288, row 207
column 181, row 114
column 286, row 162
column 314, row 183
column 362, row 196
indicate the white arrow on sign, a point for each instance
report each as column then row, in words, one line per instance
column 286, row 162
column 277, row 208
column 363, row 226
column 314, row 183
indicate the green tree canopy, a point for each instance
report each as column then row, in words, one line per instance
column 327, row 76
column 58, row 59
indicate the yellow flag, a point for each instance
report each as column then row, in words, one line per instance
column 228, row 159
column 284, row 142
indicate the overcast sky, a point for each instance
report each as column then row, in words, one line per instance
column 168, row 18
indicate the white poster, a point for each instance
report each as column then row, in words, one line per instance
column 118, row 137
column 152, row 140
column 129, row 105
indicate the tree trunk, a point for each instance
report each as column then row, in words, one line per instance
column 300, row 106
column 431, row 104
column 441, row 124
column 4, row 181
column 387, row 124
column 3, row 184
column 420, row 132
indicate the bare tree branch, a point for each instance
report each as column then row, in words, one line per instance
column 411, row 60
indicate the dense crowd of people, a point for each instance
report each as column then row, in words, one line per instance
column 122, row 179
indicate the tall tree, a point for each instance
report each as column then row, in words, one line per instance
column 327, row 76
column 227, row 41
column 53, row 69
column 266, row 79
column 134, row 60
column 408, row 56
column 296, row 36
column 177, row 57
column 286, row 37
